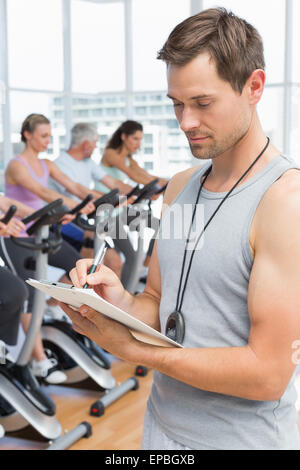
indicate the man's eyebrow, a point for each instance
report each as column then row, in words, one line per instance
column 198, row 97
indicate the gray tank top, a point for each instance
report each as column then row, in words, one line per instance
column 216, row 315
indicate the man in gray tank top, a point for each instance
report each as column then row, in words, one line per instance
column 233, row 299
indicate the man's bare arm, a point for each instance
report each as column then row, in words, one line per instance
column 261, row 369
column 71, row 186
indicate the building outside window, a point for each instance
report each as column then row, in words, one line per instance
column 88, row 71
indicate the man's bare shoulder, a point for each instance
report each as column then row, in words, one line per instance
column 278, row 211
column 285, row 191
column 177, row 183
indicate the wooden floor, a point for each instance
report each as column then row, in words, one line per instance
column 121, row 426
column 119, row 429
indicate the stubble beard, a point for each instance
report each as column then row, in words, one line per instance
column 213, row 149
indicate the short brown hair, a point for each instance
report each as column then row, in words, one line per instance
column 31, row 122
column 235, row 46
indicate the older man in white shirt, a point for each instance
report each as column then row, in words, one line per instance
column 77, row 163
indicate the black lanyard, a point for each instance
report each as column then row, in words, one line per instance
column 175, row 324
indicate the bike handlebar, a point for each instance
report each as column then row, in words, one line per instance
column 162, row 189
column 43, row 211
column 110, row 198
column 9, row 215
column 81, row 205
column 134, row 192
column 147, row 191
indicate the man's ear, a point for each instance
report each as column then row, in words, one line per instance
column 255, row 86
column 85, row 145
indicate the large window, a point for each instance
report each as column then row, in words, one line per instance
column 295, row 106
column 295, row 123
column 35, row 53
column 271, row 107
column 152, row 21
column 270, row 22
column 106, row 112
column 296, row 42
column 24, row 103
column 95, row 61
column 270, row 111
column 98, row 55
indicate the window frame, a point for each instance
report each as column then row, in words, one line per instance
column 129, row 93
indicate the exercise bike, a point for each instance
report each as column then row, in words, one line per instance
column 132, row 219
column 23, row 400
column 85, row 364
column 135, row 218
column 74, row 351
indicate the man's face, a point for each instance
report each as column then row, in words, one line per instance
column 88, row 148
column 213, row 116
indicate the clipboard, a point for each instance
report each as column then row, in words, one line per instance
column 75, row 297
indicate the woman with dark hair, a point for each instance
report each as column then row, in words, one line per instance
column 117, row 159
column 118, row 162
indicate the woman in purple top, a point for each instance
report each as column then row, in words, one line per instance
column 26, row 180
column 26, row 177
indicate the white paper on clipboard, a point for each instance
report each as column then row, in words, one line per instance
column 76, row 297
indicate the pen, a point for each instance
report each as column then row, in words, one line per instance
column 97, row 260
